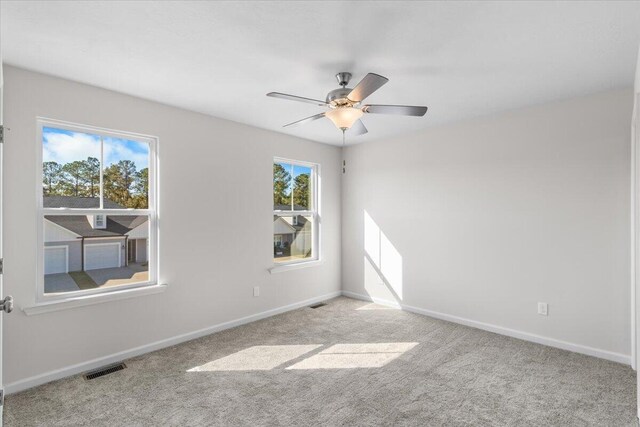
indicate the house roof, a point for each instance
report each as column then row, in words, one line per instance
column 288, row 208
column 117, row 225
column 74, row 202
column 297, row 227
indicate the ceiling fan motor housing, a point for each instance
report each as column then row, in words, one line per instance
column 338, row 97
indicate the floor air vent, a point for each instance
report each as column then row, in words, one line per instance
column 320, row 304
column 105, row 370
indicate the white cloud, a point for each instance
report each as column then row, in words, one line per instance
column 116, row 151
column 64, row 148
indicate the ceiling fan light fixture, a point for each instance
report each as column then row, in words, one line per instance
column 344, row 117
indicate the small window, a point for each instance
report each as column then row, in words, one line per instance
column 295, row 211
column 100, row 222
column 97, row 214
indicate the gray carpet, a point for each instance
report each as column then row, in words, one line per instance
column 349, row 363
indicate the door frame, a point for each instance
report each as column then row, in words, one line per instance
column 2, row 130
column 132, row 251
column 635, row 240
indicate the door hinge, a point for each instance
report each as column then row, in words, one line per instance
column 1, row 397
column 1, row 134
column 1, row 265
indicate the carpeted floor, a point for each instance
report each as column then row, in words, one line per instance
column 349, row 363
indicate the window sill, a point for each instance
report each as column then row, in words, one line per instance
column 81, row 301
column 294, row 266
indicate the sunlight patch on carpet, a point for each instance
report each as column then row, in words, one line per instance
column 256, row 358
column 353, row 356
column 374, row 306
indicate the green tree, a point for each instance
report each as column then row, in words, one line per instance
column 123, row 184
column 74, row 178
column 91, row 175
column 51, row 176
column 301, row 190
column 281, row 182
column 110, row 179
column 118, row 182
column 141, row 190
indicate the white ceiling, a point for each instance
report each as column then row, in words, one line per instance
column 462, row 59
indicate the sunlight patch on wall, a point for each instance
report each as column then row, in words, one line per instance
column 382, row 263
column 391, row 264
column 372, row 239
column 256, row 358
column 353, row 356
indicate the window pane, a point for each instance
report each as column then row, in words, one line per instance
column 292, row 239
column 79, row 255
column 70, row 169
column 301, row 188
column 282, row 186
column 126, row 174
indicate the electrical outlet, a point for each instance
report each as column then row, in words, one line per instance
column 256, row 291
column 543, row 308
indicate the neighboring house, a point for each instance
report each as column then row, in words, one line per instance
column 89, row 242
column 291, row 234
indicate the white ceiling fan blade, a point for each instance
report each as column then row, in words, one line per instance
column 358, row 128
column 305, row 120
column 297, row 98
column 400, row 110
column 366, row 87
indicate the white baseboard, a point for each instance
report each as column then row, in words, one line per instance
column 57, row 374
column 551, row 342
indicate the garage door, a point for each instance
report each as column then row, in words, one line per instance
column 55, row 260
column 103, row 255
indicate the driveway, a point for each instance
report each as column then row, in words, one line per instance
column 63, row 282
column 133, row 273
column 60, row 282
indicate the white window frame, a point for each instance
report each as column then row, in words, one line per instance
column 151, row 212
column 314, row 213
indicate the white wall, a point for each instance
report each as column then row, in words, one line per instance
column 54, row 233
column 484, row 219
column 212, row 172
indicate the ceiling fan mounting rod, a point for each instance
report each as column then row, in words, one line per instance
column 343, row 78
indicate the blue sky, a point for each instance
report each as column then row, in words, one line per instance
column 65, row 146
column 297, row 170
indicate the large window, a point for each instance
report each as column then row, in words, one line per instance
column 295, row 211
column 97, row 210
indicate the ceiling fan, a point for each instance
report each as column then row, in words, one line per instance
column 345, row 109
